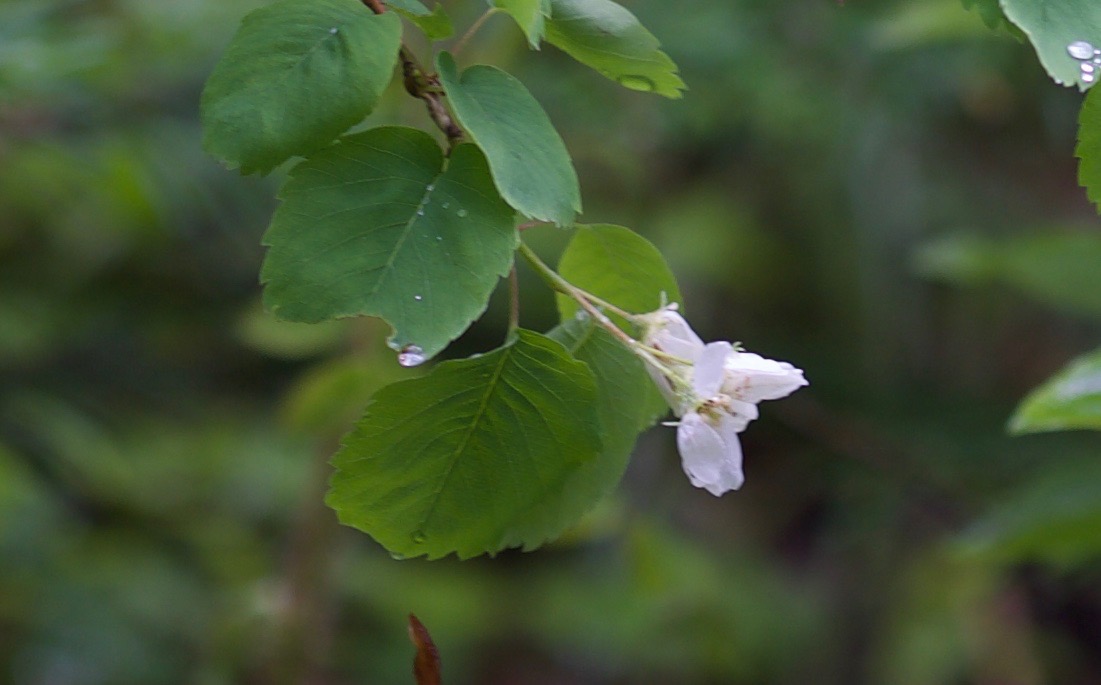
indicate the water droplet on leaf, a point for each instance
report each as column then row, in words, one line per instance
column 439, row 237
column 461, row 213
column 637, row 83
column 420, row 212
column 1080, row 50
column 446, row 205
column 418, row 298
column 430, row 187
column 411, row 355
column 419, row 537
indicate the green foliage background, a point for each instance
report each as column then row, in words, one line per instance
column 882, row 193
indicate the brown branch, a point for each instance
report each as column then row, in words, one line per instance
column 422, row 85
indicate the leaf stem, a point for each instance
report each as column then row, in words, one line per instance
column 586, row 302
column 478, row 24
column 513, row 300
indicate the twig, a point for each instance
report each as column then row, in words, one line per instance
column 420, row 84
column 584, row 299
column 461, row 43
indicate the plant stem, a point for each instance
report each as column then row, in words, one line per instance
column 421, row 85
column 479, row 23
column 610, row 307
column 585, row 300
column 513, row 300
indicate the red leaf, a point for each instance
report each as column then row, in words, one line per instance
column 426, row 665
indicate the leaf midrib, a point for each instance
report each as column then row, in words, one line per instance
column 456, row 454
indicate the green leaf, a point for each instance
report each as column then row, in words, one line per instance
column 1057, row 268
column 478, row 455
column 297, row 74
column 412, row 7
column 1071, row 399
column 329, row 397
column 380, row 224
column 989, row 10
column 617, row 265
column 435, row 23
column 259, row 330
column 1054, row 517
column 531, row 15
column 1089, row 146
column 605, row 36
column 1052, row 25
column 627, row 400
column 529, row 161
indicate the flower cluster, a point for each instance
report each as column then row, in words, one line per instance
column 714, row 389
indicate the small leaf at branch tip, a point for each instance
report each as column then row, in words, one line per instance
column 426, row 664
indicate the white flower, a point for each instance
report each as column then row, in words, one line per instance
column 666, row 331
column 707, row 435
column 752, row 378
column 714, row 389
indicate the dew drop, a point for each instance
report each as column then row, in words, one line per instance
column 1088, row 68
column 1080, row 50
column 397, row 556
column 333, row 30
column 1088, row 78
column 446, row 205
column 461, row 213
column 430, row 187
column 411, row 355
column 640, row 82
column 419, row 537
column 581, row 315
column 439, row 237
column 418, row 298
column 420, row 212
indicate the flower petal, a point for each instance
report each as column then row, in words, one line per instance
column 709, row 373
column 753, row 378
column 731, row 477
column 701, row 448
column 741, row 413
column 711, row 457
column 667, row 331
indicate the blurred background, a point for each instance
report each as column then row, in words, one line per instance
column 882, row 193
